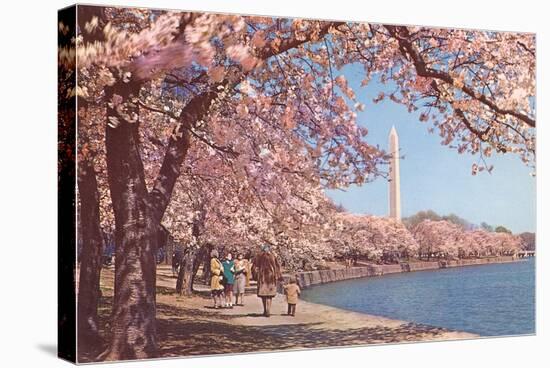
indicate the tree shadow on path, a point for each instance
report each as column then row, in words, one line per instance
column 202, row 331
column 181, row 336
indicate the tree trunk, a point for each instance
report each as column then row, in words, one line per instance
column 196, row 264
column 184, row 285
column 169, row 250
column 133, row 321
column 138, row 213
column 90, row 258
column 206, row 269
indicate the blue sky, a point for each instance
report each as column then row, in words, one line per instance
column 437, row 177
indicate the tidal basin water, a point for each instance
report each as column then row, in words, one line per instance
column 489, row 300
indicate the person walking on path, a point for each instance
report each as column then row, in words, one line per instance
column 292, row 291
column 229, row 279
column 241, row 269
column 216, row 287
column 267, row 272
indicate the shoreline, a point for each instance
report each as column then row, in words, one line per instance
column 318, row 277
column 245, row 330
column 189, row 326
column 315, row 325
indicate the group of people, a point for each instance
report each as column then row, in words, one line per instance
column 230, row 277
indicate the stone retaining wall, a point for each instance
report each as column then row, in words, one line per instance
column 480, row 261
column 310, row 278
column 421, row 266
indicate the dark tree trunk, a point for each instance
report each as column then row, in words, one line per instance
column 206, row 269
column 188, row 267
column 162, row 243
column 169, row 249
column 184, row 285
column 133, row 321
column 197, row 263
column 90, row 258
column 137, row 218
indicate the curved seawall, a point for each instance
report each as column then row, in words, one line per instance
column 309, row 278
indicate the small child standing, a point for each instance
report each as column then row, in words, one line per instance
column 292, row 291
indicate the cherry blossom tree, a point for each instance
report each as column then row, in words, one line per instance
column 474, row 243
column 529, row 240
column 437, row 238
column 507, row 244
column 443, row 238
column 263, row 98
column 213, row 205
column 370, row 237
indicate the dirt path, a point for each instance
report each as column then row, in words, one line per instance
column 190, row 326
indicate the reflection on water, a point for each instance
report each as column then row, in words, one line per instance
column 489, row 300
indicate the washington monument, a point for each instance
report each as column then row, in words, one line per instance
column 395, row 190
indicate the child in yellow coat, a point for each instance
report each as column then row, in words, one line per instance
column 292, row 291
